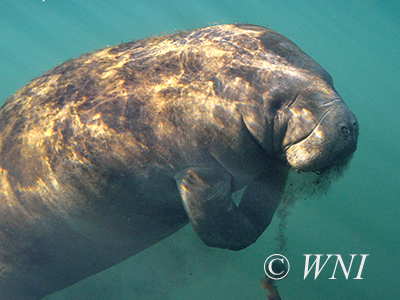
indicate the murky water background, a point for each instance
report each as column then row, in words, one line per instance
column 356, row 41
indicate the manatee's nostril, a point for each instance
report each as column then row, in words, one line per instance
column 345, row 131
column 355, row 126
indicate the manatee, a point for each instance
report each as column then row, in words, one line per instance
column 111, row 152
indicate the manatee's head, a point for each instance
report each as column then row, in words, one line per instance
column 321, row 131
column 302, row 118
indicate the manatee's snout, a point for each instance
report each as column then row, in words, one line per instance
column 331, row 142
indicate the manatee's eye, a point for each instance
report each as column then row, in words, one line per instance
column 345, row 131
column 276, row 104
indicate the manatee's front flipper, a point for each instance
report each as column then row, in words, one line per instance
column 206, row 195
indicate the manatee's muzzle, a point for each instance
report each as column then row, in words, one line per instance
column 330, row 143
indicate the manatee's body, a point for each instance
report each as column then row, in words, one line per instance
column 111, row 152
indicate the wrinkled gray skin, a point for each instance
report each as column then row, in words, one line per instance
column 112, row 152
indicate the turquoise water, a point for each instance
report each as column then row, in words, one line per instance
column 356, row 41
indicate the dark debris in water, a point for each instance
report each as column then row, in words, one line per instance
column 270, row 285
